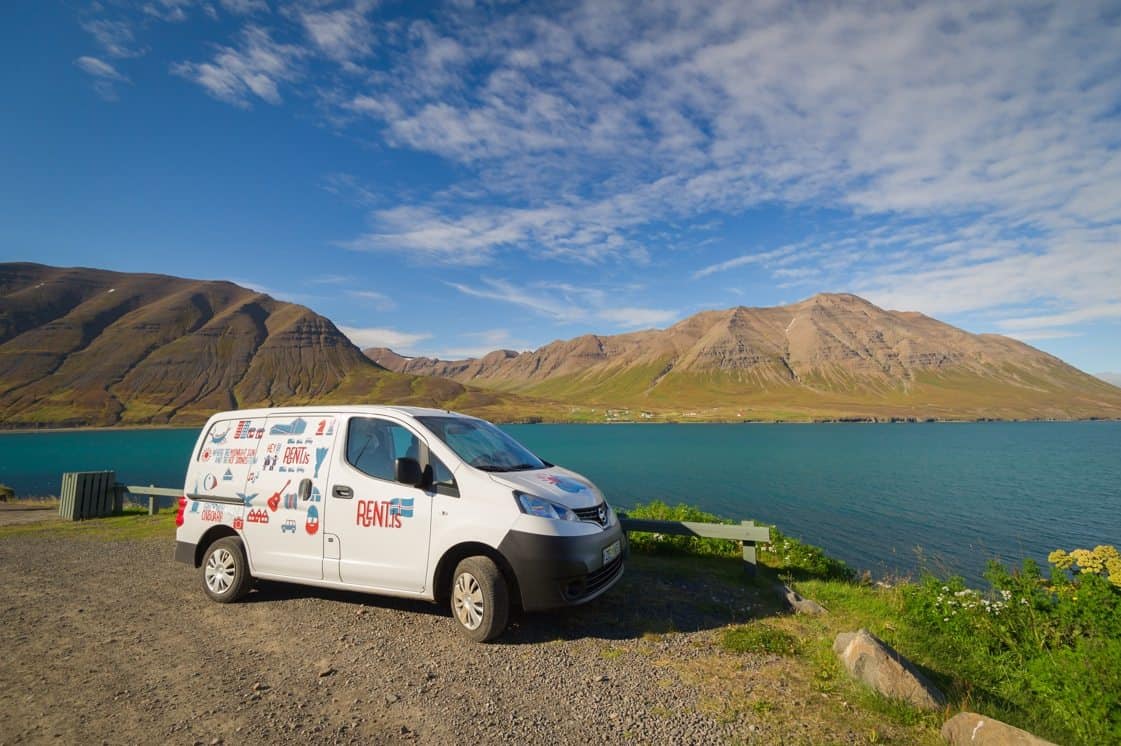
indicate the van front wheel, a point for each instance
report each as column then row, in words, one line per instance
column 480, row 600
column 225, row 571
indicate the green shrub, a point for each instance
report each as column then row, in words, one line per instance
column 1041, row 653
column 800, row 561
column 657, row 510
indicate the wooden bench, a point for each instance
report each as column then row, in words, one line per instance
column 747, row 533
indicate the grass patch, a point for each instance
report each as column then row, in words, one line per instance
column 758, row 638
column 133, row 523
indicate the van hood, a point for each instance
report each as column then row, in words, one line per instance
column 555, row 483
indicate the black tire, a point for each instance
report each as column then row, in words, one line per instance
column 480, row 599
column 225, row 571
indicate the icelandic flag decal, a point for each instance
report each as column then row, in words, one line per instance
column 402, row 506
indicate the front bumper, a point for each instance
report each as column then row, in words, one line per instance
column 554, row 571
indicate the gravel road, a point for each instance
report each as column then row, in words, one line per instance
column 113, row 642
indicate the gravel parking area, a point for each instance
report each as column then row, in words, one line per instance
column 111, row 641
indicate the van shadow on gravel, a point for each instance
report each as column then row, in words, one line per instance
column 657, row 595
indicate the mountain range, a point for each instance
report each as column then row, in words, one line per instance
column 830, row 356
column 93, row 347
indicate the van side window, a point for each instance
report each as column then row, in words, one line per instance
column 442, row 476
column 372, row 446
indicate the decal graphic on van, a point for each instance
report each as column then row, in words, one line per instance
column 239, row 524
column 326, row 427
column 274, row 501
column 245, row 430
column 564, row 483
column 228, row 476
column 383, row 513
column 312, row 524
column 320, row 454
column 289, row 527
column 295, row 427
column 212, row 513
column 260, row 515
column 219, row 438
column 290, row 501
column 209, row 482
column 247, row 499
column 316, row 496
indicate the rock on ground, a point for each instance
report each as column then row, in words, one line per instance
column 978, row 730
column 877, row 664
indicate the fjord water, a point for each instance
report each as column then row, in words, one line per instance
column 869, row 494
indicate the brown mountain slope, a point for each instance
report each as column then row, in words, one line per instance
column 827, row 356
column 92, row 347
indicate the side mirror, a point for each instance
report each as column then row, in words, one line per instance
column 407, row 471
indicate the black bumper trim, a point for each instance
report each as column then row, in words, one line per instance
column 554, row 571
column 185, row 552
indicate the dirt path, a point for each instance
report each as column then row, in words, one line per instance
column 13, row 513
column 113, row 642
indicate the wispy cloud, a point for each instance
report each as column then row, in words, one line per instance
column 379, row 301
column 567, row 303
column 254, row 70
column 1081, row 315
column 244, row 7
column 365, row 337
column 343, row 34
column 115, row 37
column 914, row 114
column 105, row 76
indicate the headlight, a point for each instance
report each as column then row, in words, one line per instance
column 533, row 505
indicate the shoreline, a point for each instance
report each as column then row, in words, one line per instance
column 689, row 421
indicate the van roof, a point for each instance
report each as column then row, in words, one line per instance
column 339, row 409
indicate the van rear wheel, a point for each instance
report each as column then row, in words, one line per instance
column 225, row 571
column 480, row 599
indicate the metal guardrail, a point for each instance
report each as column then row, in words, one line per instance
column 93, row 494
column 747, row 533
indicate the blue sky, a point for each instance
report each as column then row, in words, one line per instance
column 450, row 178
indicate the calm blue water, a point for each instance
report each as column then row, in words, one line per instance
column 869, row 494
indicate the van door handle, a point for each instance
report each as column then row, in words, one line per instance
column 340, row 490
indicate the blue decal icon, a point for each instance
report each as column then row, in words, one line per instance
column 295, row 427
column 564, row 483
column 247, row 499
column 228, row 476
column 402, row 506
column 320, row 454
column 311, row 525
column 217, row 438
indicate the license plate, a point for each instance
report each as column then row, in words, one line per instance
column 611, row 552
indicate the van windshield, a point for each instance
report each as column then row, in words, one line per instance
column 481, row 444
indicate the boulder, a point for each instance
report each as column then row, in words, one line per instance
column 971, row 728
column 797, row 602
column 878, row 665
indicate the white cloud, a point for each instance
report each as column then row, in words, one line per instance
column 566, row 303
column 99, row 69
column 762, row 257
column 105, row 76
column 986, row 138
column 245, row 7
column 380, row 301
column 114, row 36
column 636, row 317
column 256, row 69
column 398, row 341
column 343, row 34
column 1081, row 315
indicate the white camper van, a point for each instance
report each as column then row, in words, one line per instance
column 401, row 501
